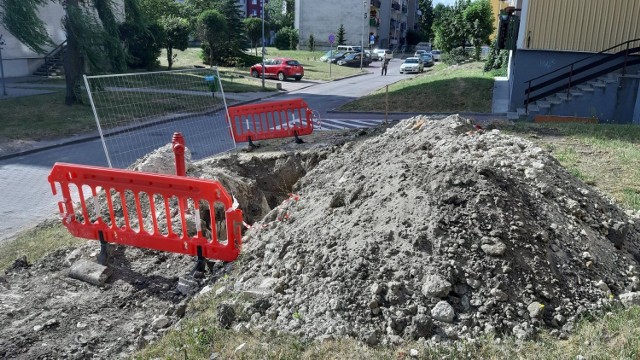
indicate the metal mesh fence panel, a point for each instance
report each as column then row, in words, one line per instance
column 139, row 112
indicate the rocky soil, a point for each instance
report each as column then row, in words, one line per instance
column 432, row 230
column 438, row 230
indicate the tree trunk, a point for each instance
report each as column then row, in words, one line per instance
column 170, row 56
column 73, row 63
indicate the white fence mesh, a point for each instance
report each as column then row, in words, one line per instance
column 139, row 112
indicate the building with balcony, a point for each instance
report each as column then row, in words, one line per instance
column 368, row 21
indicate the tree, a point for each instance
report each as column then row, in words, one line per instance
column 88, row 39
column 253, row 28
column 176, row 36
column 479, row 18
column 413, row 37
column 155, row 10
column 280, row 13
column 341, row 35
column 450, row 28
column 287, row 38
column 426, row 19
column 211, row 28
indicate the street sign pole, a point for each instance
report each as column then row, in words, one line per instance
column 263, row 42
column 364, row 18
column 332, row 39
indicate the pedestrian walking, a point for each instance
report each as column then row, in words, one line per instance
column 385, row 65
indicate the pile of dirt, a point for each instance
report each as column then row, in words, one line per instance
column 430, row 229
column 437, row 230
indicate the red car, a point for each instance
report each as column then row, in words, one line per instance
column 280, row 68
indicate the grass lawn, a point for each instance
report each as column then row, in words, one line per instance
column 441, row 88
column 40, row 117
column 313, row 68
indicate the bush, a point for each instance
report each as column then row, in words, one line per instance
column 287, row 39
column 497, row 61
column 143, row 44
column 455, row 56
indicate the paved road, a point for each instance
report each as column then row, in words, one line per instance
column 27, row 193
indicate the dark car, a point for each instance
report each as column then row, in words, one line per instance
column 427, row 59
column 339, row 56
column 353, row 59
column 280, row 68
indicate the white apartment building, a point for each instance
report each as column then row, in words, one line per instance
column 383, row 21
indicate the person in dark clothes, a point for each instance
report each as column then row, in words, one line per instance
column 385, row 65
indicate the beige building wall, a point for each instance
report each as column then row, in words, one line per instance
column 580, row 25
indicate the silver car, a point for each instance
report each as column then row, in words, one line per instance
column 412, row 65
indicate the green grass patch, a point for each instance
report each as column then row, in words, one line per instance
column 604, row 155
column 440, row 89
column 314, row 69
column 45, row 116
column 36, row 243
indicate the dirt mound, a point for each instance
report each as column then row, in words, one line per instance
column 437, row 229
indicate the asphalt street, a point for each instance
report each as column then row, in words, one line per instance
column 28, row 195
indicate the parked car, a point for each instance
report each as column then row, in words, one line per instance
column 372, row 55
column 427, row 59
column 412, row 64
column 436, row 55
column 383, row 53
column 327, row 55
column 419, row 53
column 353, row 59
column 280, row 68
column 339, row 56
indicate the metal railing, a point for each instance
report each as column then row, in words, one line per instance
column 569, row 74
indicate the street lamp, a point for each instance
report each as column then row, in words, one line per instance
column 4, row 86
column 364, row 18
column 262, row 16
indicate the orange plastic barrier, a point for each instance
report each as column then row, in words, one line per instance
column 276, row 119
column 186, row 193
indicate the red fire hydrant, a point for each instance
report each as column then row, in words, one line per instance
column 178, row 151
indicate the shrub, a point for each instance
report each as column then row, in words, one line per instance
column 287, row 39
column 143, row 44
column 455, row 56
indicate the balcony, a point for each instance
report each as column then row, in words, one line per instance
column 373, row 22
column 376, row 3
column 405, row 9
column 395, row 6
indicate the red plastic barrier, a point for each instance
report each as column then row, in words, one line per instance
column 129, row 185
column 269, row 120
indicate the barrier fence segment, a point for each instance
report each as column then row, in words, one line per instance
column 269, row 120
column 155, row 211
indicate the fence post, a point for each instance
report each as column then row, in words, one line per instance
column 386, row 105
column 178, row 151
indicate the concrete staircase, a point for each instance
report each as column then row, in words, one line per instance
column 579, row 100
column 52, row 65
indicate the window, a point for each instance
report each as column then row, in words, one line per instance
column 254, row 12
column 254, row 2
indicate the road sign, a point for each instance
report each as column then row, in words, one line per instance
column 332, row 38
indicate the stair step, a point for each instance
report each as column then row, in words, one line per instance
column 585, row 88
column 554, row 100
column 543, row 104
column 562, row 96
column 521, row 111
column 513, row 116
column 575, row 92
column 533, row 107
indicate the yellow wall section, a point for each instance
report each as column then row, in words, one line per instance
column 581, row 25
column 496, row 6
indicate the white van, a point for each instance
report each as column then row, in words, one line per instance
column 353, row 48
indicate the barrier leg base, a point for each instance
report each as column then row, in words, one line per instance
column 103, row 257
column 252, row 145
column 202, row 264
column 297, row 139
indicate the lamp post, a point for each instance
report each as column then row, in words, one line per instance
column 4, row 87
column 364, row 18
column 262, row 16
